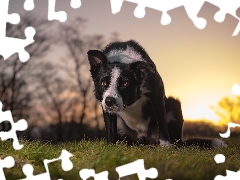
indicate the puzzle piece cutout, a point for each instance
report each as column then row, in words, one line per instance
column 7, row 162
column 52, row 14
column 8, row 45
column 236, row 89
column 66, row 164
column 137, row 167
column 227, row 7
column 29, row 5
column 76, row 4
column 21, row 125
column 219, row 158
column 230, row 175
column 227, row 133
column 87, row 173
column 192, row 8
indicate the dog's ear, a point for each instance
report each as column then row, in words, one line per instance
column 96, row 60
column 141, row 70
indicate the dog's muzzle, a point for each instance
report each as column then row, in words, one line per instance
column 111, row 104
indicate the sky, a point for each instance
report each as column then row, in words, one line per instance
column 197, row 66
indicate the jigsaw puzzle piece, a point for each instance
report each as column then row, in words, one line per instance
column 219, row 158
column 237, row 29
column 75, row 4
column 87, row 173
column 227, row 7
column 9, row 46
column 13, row 45
column 137, row 167
column 5, row 17
column 67, row 165
column 21, row 125
column 7, row 162
column 53, row 15
column 230, row 175
column 192, row 8
column 28, row 171
column 236, row 89
column 140, row 12
column 29, row 5
column 116, row 5
column 227, row 133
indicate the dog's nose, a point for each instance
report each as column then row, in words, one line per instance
column 110, row 101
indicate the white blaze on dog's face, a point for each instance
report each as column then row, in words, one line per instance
column 117, row 87
column 112, row 101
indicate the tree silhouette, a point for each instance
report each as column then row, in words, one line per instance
column 76, row 66
column 228, row 109
column 55, row 96
column 15, row 79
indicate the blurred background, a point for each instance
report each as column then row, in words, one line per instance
column 53, row 91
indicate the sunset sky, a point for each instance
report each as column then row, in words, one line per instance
column 197, row 66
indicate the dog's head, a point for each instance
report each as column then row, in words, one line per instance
column 118, row 78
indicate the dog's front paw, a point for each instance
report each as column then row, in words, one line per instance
column 164, row 143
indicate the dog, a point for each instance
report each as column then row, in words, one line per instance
column 132, row 96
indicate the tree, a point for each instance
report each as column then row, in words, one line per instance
column 76, row 65
column 15, row 77
column 59, row 98
column 228, row 109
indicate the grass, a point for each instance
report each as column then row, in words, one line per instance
column 175, row 163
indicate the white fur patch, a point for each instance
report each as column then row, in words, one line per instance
column 112, row 90
column 132, row 116
column 217, row 143
column 127, row 56
column 164, row 143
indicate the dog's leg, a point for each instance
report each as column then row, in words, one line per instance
column 158, row 103
column 174, row 120
column 111, row 127
column 163, row 130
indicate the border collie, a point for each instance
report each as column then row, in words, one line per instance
column 132, row 96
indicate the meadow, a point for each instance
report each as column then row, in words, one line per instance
column 171, row 162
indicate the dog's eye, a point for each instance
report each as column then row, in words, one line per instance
column 104, row 83
column 124, row 84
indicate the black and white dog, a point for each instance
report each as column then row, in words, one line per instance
column 133, row 99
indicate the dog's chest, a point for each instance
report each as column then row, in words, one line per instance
column 132, row 116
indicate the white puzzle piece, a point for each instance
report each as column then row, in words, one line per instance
column 7, row 162
column 219, row 158
column 8, row 45
column 227, row 133
column 20, row 125
column 66, row 166
column 230, row 175
column 192, row 8
column 76, row 4
column 236, row 89
column 87, row 173
column 137, row 167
